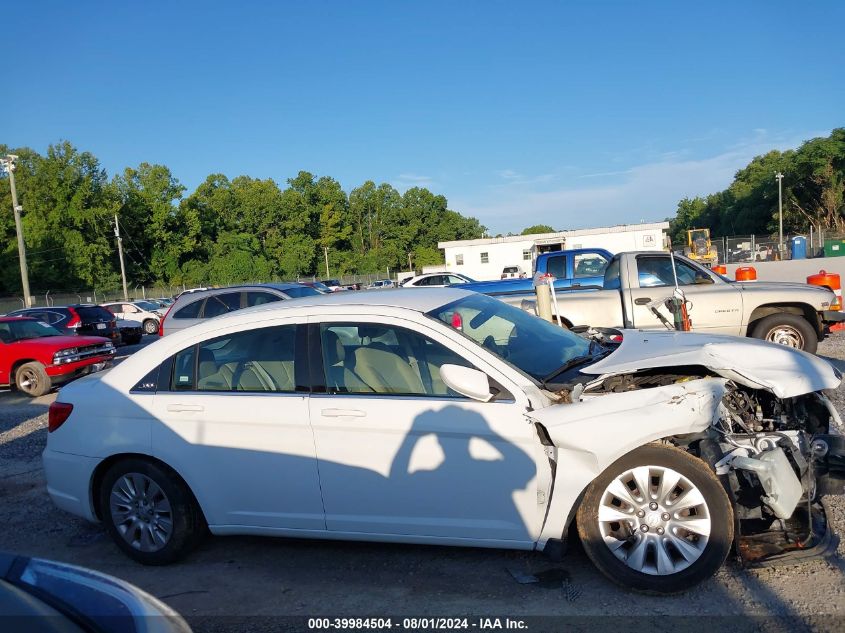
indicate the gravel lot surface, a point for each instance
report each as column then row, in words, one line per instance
column 242, row 577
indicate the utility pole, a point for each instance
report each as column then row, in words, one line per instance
column 326, row 253
column 8, row 163
column 779, row 178
column 120, row 252
column 410, row 265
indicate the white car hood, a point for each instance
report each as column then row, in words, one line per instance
column 784, row 371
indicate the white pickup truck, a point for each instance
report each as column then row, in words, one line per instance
column 636, row 283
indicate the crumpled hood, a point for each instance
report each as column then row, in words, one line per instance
column 784, row 371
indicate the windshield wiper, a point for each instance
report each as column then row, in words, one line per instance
column 591, row 355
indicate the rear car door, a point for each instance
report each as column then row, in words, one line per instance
column 235, row 421
column 401, row 454
column 714, row 305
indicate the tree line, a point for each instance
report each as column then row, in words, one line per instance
column 813, row 194
column 226, row 231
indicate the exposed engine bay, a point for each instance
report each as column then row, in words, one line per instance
column 777, row 459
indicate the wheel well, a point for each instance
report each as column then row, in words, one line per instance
column 798, row 309
column 103, row 467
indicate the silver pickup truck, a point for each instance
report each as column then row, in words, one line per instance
column 636, row 284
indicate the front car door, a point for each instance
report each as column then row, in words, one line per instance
column 400, row 454
column 234, row 416
column 714, row 305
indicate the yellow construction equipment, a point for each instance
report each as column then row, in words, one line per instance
column 699, row 248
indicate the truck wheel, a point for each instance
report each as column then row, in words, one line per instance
column 657, row 521
column 787, row 329
column 32, row 379
column 150, row 326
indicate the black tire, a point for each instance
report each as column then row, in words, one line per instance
column 797, row 326
column 150, row 326
column 188, row 524
column 32, row 379
column 718, row 507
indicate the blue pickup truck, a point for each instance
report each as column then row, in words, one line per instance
column 577, row 268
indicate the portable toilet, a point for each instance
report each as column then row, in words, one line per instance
column 799, row 247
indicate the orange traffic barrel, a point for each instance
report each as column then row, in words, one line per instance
column 746, row 273
column 721, row 269
column 828, row 280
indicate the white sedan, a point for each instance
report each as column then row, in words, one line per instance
column 437, row 280
column 448, row 417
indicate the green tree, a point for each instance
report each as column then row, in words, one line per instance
column 537, row 228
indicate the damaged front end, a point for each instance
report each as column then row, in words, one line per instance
column 776, row 441
column 777, row 459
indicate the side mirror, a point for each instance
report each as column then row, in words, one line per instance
column 467, row 382
column 703, row 280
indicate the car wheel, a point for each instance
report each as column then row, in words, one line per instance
column 787, row 329
column 150, row 326
column 32, row 379
column 149, row 512
column 657, row 521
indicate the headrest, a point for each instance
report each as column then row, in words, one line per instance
column 371, row 331
column 334, row 348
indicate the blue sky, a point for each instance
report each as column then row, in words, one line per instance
column 570, row 114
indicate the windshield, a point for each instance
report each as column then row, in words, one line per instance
column 149, row 306
column 529, row 343
column 13, row 331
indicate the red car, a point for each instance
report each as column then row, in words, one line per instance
column 35, row 356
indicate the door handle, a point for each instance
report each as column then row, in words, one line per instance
column 342, row 413
column 642, row 301
column 177, row 408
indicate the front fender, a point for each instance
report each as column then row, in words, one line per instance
column 591, row 434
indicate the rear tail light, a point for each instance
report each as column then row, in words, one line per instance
column 59, row 412
column 457, row 321
column 164, row 318
column 75, row 321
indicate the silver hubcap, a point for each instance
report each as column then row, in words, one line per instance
column 654, row 520
column 141, row 512
column 786, row 335
column 151, row 327
column 28, row 380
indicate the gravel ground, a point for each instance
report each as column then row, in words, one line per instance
column 245, row 577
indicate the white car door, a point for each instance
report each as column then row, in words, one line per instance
column 400, row 454
column 236, row 427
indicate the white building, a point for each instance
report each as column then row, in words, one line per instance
column 486, row 258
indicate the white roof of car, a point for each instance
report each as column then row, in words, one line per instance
column 419, row 299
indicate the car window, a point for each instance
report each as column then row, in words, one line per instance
column 384, row 359
column 184, row 367
column 215, row 305
column 655, row 272
column 260, row 298
column 260, row 360
column 93, row 313
column 589, row 265
column 295, row 292
column 190, row 311
column 556, row 266
column 455, row 280
column 611, row 275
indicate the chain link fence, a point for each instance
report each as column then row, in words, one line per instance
column 740, row 249
column 99, row 296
